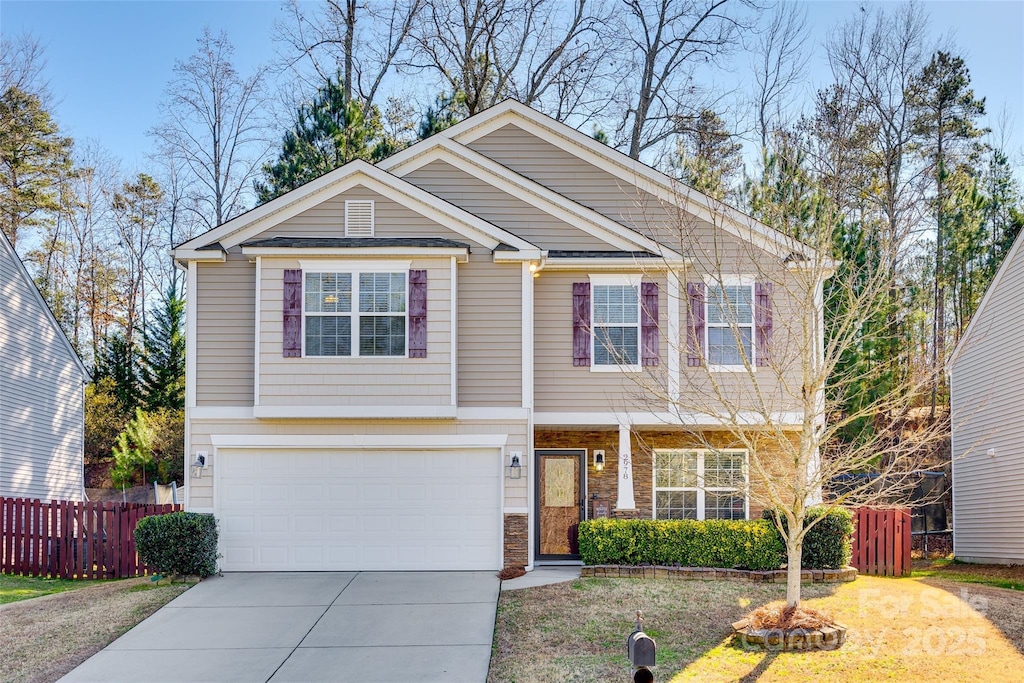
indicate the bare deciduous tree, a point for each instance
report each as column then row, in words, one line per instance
column 778, row 61
column 22, row 61
column 215, row 124
column 772, row 377
column 334, row 41
column 666, row 41
column 544, row 53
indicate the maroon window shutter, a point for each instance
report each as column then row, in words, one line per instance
column 763, row 322
column 292, row 313
column 581, row 324
column 649, row 323
column 695, row 323
column 417, row 314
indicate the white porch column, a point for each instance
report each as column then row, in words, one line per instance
column 625, row 500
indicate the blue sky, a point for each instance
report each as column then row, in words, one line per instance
column 108, row 62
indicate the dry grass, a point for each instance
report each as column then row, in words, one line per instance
column 997, row 575
column 45, row 638
column 899, row 629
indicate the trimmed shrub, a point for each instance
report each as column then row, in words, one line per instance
column 684, row 542
column 180, row 543
column 828, row 544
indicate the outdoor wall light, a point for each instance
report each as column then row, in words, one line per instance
column 599, row 460
column 535, row 268
column 515, row 467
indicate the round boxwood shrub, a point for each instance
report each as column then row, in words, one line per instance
column 827, row 544
column 178, row 544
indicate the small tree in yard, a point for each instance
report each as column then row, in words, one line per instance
column 133, row 451
column 765, row 342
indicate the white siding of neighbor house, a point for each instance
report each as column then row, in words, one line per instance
column 500, row 208
column 41, row 394
column 201, row 490
column 987, row 400
column 310, row 381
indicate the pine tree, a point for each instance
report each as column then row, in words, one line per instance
column 118, row 360
column 328, row 133
column 133, row 451
column 709, row 155
column 447, row 110
column 34, row 157
column 162, row 371
column 945, row 121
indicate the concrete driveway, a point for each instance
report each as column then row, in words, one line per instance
column 323, row 626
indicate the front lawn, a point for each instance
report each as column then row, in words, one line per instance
column 15, row 588
column 900, row 629
column 997, row 575
column 46, row 638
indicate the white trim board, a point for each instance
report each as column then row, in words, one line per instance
column 357, row 412
column 359, row 441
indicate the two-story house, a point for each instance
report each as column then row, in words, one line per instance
column 447, row 360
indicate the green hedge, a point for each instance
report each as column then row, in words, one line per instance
column 687, row 543
column 828, row 544
column 181, row 543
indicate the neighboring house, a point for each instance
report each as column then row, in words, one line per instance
column 986, row 383
column 430, row 363
column 42, row 393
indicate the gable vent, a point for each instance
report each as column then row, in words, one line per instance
column 359, row 218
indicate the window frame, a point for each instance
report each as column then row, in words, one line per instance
column 739, row 281
column 701, row 490
column 627, row 280
column 355, row 314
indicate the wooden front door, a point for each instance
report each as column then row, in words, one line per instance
column 560, row 493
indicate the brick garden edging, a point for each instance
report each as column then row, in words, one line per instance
column 843, row 575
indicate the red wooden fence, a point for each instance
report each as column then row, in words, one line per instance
column 881, row 541
column 71, row 540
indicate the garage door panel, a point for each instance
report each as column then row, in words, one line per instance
column 351, row 510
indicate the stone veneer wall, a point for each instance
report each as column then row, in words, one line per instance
column 643, row 442
column 517, row 536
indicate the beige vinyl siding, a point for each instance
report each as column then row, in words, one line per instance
column 391, row 219
column 560, row 386
column 490, row 327
column 201, row 490
column 987, row 400
column 225, row 322
column 500, row 208
column 590, row 186
column 41, row 395
column 356, row 381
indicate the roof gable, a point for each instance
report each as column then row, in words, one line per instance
column 626, row 169
column 440, row 148
column 356, row 173
column 7, row 251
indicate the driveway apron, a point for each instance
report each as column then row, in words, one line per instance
column 311, row 626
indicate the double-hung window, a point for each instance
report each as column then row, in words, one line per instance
column 730, row 324
column 700, row 484
column 616, row 322
column 355, row 314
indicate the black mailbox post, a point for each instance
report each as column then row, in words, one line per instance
column 642, row 651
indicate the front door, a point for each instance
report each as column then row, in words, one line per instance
column 560, row 502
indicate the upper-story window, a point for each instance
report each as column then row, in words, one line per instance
column 355, row 314
column 616, row 321
column 730, row 324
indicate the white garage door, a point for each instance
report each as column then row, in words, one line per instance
column 343, row 510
